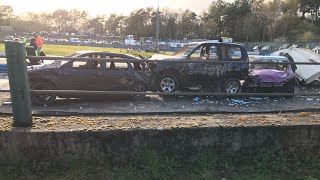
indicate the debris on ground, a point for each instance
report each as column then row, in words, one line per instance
column 196, row 99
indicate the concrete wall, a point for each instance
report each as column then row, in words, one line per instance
column 121, row 146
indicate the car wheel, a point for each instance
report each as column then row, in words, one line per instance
column 168, row 83
column 43, row 99
column 138, row 87
column 231, row 86
column 289, row 88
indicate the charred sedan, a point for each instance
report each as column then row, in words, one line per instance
column 88, row 75
column 225, row 77
column 270, row 77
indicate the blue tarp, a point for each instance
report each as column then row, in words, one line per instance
column 3, row 68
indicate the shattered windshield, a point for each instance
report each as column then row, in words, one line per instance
column 268, row 66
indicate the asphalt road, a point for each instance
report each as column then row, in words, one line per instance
column 182, row 104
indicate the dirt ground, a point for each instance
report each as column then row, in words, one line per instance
column 160, row 122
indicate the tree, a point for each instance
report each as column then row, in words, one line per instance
column 61, row 19
column 97, row 24
column 115, row 24
column 138, row 23
column 188, row 25
column 217, row 13
column 77, row 19
column 311, row 7
column 236, row 14
column 6, row 15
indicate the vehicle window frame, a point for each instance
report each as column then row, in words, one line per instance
column 107, row 68
column 229, row 46
column 69, row 65
column 218, row 51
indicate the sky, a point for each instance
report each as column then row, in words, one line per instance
column 99, row 7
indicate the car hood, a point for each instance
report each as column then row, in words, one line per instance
column 165, row 57
column 271, row 75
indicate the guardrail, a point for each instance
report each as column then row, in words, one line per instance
column 167, row 60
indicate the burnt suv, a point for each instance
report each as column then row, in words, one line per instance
column 88, row 75
column 224, row 77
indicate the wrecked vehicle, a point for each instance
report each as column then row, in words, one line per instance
column 172, row 76
column 270, row 77
column 88, row 75
column 306, row 74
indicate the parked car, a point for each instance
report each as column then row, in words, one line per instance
column 173, row 76
column 316, row 49
column 285, row 46
column 270, row 77
column 88, row 75
column 256, row 48
column 267, row 48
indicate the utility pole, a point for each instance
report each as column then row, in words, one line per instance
column 157, row 29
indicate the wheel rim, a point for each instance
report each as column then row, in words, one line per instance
column 232, row 87
column 167, row 85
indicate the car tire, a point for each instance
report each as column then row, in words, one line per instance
column 231, row 86
column 289, row 88
column 42, row 99
column 138, row 87
column 168, row 83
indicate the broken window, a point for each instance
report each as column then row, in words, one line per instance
column 205, row 52
column 117, row 65
column 86, row 65
column 231, row 52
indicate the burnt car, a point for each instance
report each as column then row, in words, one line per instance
column 88, row 75
column 225, row 77
column 270, row 77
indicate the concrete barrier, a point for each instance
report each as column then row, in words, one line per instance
column 123, row 146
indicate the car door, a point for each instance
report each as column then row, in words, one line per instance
column 202, row 72
column 233, row 53
column 79, row 76
column 118, row 76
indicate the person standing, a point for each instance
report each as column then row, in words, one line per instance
column 39, row 43
column 293, row 66
column 31, row 50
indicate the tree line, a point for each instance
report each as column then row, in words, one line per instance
column 243, row 20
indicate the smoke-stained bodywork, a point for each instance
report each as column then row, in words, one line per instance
column 84, row 75
column 202, row 74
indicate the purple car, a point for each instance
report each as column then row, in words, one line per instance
column 270, row 77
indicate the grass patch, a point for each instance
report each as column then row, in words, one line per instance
column 154, row 165
column 61, row 50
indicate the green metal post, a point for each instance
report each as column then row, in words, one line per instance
column 19, row 84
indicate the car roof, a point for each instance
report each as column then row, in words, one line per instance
column 211, row 42
column 271, row 58
column 83, row 52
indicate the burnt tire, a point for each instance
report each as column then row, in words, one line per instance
column 168, row 83
column 138, row 87
column 289, row 88
column 42, row 99
column 231, row 86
